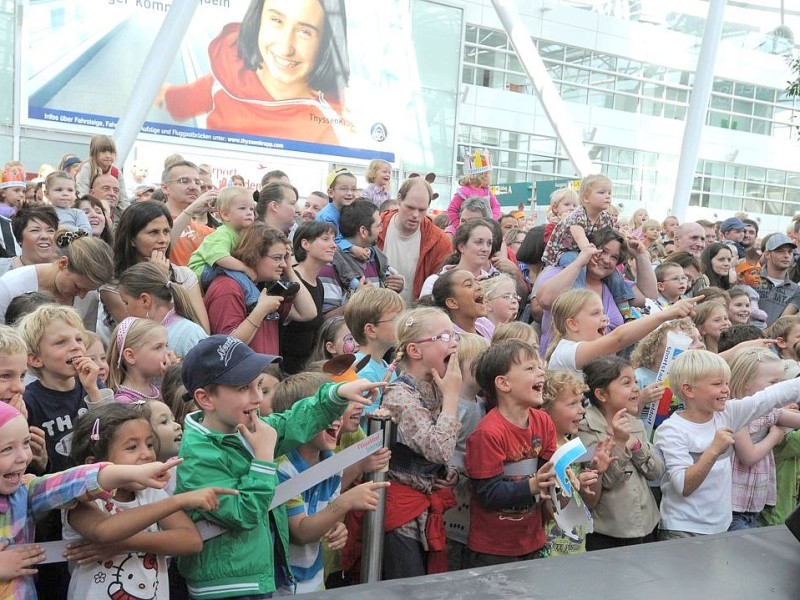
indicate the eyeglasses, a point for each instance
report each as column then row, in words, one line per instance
column 508, row 296
column 392, row 320
column 680, row 279
column 445, row 337
column 187, row 181
column 278, row 258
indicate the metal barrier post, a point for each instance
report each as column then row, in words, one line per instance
column 372, row 543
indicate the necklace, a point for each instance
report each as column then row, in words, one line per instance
column 134, row 392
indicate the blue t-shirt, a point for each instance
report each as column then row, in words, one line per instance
column 330, row 214
column 375, row 370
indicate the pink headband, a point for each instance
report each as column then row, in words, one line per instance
column 7, row 412
column 122, row 333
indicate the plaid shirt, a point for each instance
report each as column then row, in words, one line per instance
column 561, row 239
column 754, row 487
column 35, row 497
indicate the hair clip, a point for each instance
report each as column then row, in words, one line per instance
column 169, row 284
column 122, row 333
column 65, row 238
column 95, row 435
column 409, row 321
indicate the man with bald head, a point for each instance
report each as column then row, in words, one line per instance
column 690, row 237
column 105, row 187
column 414, row 246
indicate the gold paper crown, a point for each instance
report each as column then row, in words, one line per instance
column 479, row 161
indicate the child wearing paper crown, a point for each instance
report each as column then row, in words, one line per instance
column 25, row 498
column 12, row 189
column 508, row 459
column 476, row 182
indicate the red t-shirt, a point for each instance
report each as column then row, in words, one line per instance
column 226, row 311
column 495, row 443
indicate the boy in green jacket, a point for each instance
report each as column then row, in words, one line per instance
column 228, row 443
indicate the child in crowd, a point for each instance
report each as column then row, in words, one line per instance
column 571, row 235
column 102, row 154
column 309, row 522
column 748, row 277
column 735, row 335
column 459, row 294
column 786, row 333
column 173, row 394
column 370, row 316
column 12, row 188
column 503, row 459
column 500, row 298
column 97, row 352
column 580, row 329
column 470, row 411
column 516, row 330
column 711, row 319
column 147, row 522
column 668, row 227
column 237, row 212
column 651, row 233
column 637, row 222
column 739, row 306
column 342, row 192
column 137, row 358
column 562, row 202
column 696, row 443
column 59, row 190
column 672, row 284
column 424, row 404
column 227, row 443
column 271, row 377
column 623, row 509
column 28, row 498
column 787, row 477
column 473, row 185
column 148, row 293
column 334, row 338
column 167, row 431
column 754, row 486
column 379, row 179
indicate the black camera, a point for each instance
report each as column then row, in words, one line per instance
column 284, row 289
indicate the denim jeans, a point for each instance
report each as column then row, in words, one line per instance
column 743, row 520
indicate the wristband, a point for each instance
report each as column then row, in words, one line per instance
column 247, row 318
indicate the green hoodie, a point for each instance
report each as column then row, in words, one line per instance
column 241, row 562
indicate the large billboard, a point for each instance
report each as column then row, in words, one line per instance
column 322, row 76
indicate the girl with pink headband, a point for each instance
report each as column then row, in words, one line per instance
column 137, row 358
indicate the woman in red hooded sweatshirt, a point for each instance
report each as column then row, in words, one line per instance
column 280, row 73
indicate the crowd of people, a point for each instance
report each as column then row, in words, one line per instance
column 148, row 322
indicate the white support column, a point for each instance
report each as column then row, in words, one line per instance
column 553, row 105
column 154, row 72
column 698, row 107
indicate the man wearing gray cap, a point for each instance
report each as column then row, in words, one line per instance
column 778, row 295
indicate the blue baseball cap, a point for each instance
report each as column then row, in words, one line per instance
column 732, row 224
column 223, row 360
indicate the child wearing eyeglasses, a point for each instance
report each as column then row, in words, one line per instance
column 672, row 284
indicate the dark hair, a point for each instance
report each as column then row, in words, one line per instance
column 736, row 334
column 110, row 417
column 709, row 252
column 27, row 213
column 270, row 193
column 25, row 304
column 356, row 215
column 309, row 230
column 178, row 163
column 332, row 68
column 497, row 361
column 598, row 374
column 443, row 289
column 158, row 196
column 135, row 218
column 107, row 236
column 752, row 223
column 603, row 236
column 532, row 248
column 275, row 174
column 255, row 242
column 462, row 236
column 684, row 259
column 172, row 390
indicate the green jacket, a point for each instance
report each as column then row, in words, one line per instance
column 786, row 473
column 241, row 561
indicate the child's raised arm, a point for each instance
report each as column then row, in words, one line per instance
column 234, row 264
column 578, row 234
column 749, row 452
column 695, row 475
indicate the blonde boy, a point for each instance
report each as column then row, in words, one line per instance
column 697, row 443
column 786, row 333
column 236, row 208
column 370, row 316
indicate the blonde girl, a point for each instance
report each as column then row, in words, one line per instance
column 711, row 319
column 562, row 202
column 651, row 232
column 754, row 481
column 424, row 403
column 379, row 180
column 516, row 330
column 148, row 293
column 500, row 298
column 102, row 154
column 148, row 523
column 579, row 323
column 333, row 339
column 471, row 186
column 137, row 357
column 12, row 188
column 623, row 508
column 97, row 352
column 637, row 220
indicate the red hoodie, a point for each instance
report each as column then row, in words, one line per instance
column 235, row 100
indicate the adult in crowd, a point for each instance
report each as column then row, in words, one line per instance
column 472, row 247
column 749, row 234
column 415, row 247
column 360, row 225
column 105, row 187
column 314, row 245
column 144, row 233
column 99, row 219
column 709, row 230
column 690, row 237
column 266, row 251
column 475, row 207
column 716, row 264
column 607, row 250
column 778, row 294
column 34, row 229
column 188, row 208
column 83, row 265
column 315, row 202
column 276, row 205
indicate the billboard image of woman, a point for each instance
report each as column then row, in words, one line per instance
column 280, row 73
